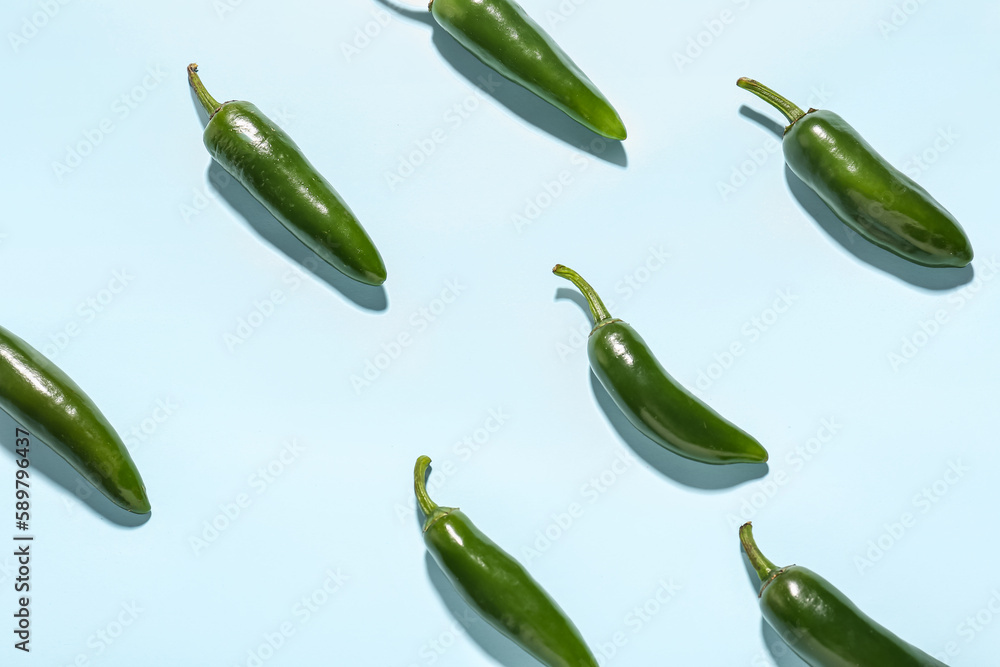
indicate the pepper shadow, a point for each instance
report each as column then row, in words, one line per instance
column 517, row 99
column 931, row 278
column 781, row 652
column 763, row 120
column 927, row 277
column 678, row 468
column 370, row 297
column 44, row 462
column 499, row 647
column 684, row 471
column 491, row 640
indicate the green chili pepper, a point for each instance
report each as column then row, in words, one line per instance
column 818, row 621
column 505, row 38
column 867, row 193
column 652, row 400
column 497, row 586
column 268, row 163
column 43, row 399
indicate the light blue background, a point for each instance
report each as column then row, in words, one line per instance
column 494, row 341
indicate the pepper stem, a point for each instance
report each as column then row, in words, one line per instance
column 597, row 308
column 762, row 565
column 207, row 101
column 792, row 112
column 431, row 509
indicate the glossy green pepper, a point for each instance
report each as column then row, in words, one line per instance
column 867, row 193
column 496, row 585
column 272, row 168
column 43, row 399
column 652, row 400
column 820, row 624
column 505, row 38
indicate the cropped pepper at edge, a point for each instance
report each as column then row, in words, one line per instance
column 43, row 399
column 505, row 38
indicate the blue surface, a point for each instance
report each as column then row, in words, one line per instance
column 283, row 530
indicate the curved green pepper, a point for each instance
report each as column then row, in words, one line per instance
column 268, row 163
column 652, row 400
column 43, row 399
column 867, row 193
column 505, row 38
column 497, row 586
column 820, row 624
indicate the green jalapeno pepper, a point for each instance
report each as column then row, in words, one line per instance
column 505, row 38
column 652, row 400
column 272, row 168
column 820, row 624
column 43, row 399
column 867, row 193
column 497, row 586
